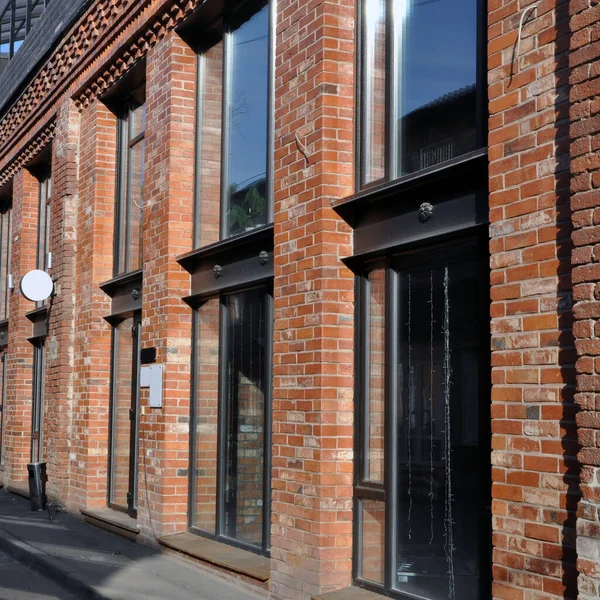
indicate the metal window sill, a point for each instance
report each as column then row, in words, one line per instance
column 219, row 554
column 113, row 521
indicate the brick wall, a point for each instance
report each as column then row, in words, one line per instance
column 585, row 200
column 94, row 265
column 19, row 366
column 534, row 471
column 59, row 378
column 313, row 338
column 166, row 320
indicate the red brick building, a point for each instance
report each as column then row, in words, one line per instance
column 326, row 286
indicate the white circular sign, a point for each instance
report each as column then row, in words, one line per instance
column 37, row 285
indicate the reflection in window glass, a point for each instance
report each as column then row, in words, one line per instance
column 207, row 415
column 5, row 253
column 123, row 349
column 374, row 449
column 130, row 200
column 246, row 381
column 247, row 113
column 45, row 191
column 439, row 531
column 37, row 409
column 209, row 148
column 374, row 87
column 437, row 68
column 372, row 534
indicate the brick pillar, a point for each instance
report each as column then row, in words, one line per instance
column 61, row 335
column 19, row 365
column 95, row 224
column 314, row 293
column 166, row 324
column 534, row 468
column 585, row 206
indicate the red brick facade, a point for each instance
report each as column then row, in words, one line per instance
column 544, row 229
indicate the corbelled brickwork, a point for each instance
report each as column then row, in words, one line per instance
column 534, row 468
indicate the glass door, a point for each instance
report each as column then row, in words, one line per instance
column 37, row 412
column 423, row 483
column 125, row 415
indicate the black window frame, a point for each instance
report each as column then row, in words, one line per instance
column 126, row 142
column 37, row 404
column 43, row 253
column 218, row 29
column 5, row 259
column 387, row 492
column 220, row 527
column 134, row 414
column 391, row 136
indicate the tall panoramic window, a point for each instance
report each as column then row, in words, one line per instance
column 233, row 193
column 421, row 525
column 419, row 97
column 5, row 255
column 233, row 346
column 43, row 256
column 231, row 290
column 130, row 184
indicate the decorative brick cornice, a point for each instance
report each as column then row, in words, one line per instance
column 38, row 143
column 156, row 29
column 74, row 58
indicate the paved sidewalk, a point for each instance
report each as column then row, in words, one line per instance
column 94, row 564
column 18, row 582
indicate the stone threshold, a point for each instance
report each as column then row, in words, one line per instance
column 349, row 593
column 112, row 520
column 219, row 554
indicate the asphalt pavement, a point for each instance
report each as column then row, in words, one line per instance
column 18, row 582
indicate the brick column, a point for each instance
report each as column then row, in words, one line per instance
column 166, row 325
column 585, row 206
column 91, row 381
column 19, row 365
column 314, row 293
column 534, row 469
column 61, row 335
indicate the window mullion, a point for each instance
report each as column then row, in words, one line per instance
column 225, row 126
column 222, row 419
column 393, row 50
column 392, row 318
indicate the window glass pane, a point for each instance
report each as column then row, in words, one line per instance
column 440, row 462
column 374, row 82
column 136, row 206
column 209, row 148
column 37, row 409
column 138, row 120
column 372, row 548
column 207, row 414
column 2, row 405
column 374, row 451
column 4, row 262
column 123, row 342
column 246, row 382
column 247, row 113
column 437, row 55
